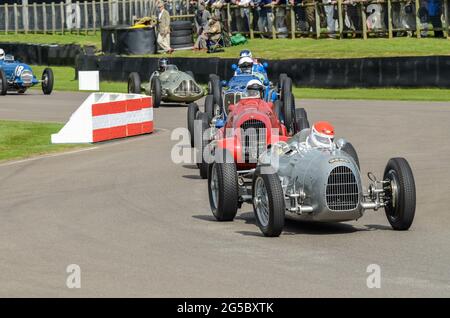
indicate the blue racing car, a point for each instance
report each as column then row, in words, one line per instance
column 18, row 77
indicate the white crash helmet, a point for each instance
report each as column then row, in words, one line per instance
column 246, row 53
column 322, row 135
column 255, row 88
column 2, row 54
column 245, row 64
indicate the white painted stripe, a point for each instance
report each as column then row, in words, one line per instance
column 121, row 119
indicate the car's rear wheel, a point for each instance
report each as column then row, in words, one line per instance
column 286, row 89
column 401, row 192
column 216, row 89
column 288, row 110
column 156, row 91
column 209, row 106
column 278, row 109
column 223, row 189
column 202, row 144
column 47, row 81
column 191, row 115
column 268, row 203
column 3, row 83
column 301, row 120
column 134, row 83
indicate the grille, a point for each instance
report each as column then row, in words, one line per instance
column 27, row 77
column 253, row 139
column 342, row 190
column 187, row 88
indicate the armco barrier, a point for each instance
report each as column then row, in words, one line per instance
column 46, row 54
column 420, row 71
column 105, row 116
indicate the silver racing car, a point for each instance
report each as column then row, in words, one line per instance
column 312, row 178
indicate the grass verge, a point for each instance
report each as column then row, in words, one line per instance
column 280, row 48
column 20, row 139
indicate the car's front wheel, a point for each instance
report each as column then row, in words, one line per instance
column 156, row 91
column 191, row 115
column 134, row 83
column 401, row 192
column 268, row 203
column 223, row 190
column 47, row 81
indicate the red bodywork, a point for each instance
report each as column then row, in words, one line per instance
column 229, row 136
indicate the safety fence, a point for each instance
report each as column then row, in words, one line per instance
column 326, row 18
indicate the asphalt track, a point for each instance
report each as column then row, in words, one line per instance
column 139, row 225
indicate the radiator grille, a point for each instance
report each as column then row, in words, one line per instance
column 342, row 190
column 27, row 77
column 253, row 139
column 187, row 88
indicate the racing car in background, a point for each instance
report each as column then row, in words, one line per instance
column 18, row 77
column 223, row 94
column 167, row 84
column 313, row 178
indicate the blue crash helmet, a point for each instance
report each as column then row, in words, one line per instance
column 245, row 53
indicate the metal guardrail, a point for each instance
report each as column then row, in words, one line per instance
column 85, row 17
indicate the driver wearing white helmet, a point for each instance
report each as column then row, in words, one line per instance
column 2, row 55
column 245, row 65
column 255, row 89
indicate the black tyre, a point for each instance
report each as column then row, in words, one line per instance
column 177, row 33
column 286, row 89
column 216, row 89
column 288, row 112
column 281, row 79
column 191, row 115
column 300, row 112
column 180, row 25
column 401, row 207
column 209, row 106
column 268, row 203
column 47, row 81
column 3, row 83
column 181, row 40
column 202, row 144
column 156, row 91
column 223, row 189
column 278, row 109
column 211, row 78
column 134, row 83
column 350, row 150
column 191, row 74
column 301, row 123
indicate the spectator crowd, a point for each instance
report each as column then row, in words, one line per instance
column 261, row 16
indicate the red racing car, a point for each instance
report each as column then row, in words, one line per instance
column 252, row 125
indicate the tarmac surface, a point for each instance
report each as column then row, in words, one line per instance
column 138, row 224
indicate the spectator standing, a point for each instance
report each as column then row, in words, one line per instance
column 300, row 15
column 310, row 14
column 280, row 17
column 265, row 20
column 202, row 16
column 329, row 12
column 163, row 38
column 434, row 14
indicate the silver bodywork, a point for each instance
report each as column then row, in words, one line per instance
column 318, row 184
column 176, row 86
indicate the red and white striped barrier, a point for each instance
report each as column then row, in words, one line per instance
column 105, row 116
